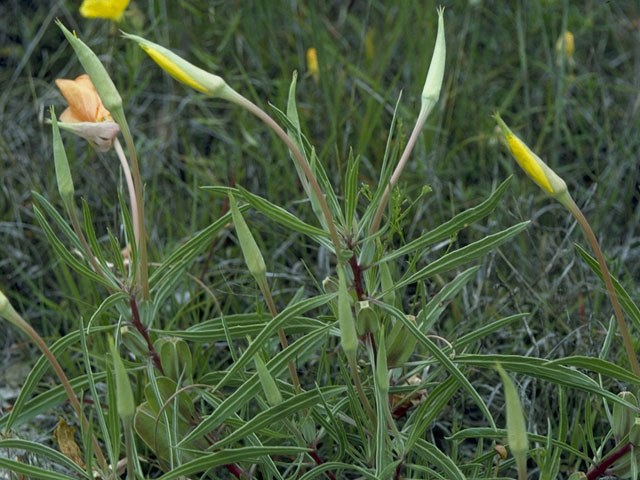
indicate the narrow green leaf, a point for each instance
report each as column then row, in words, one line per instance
column 39, row 449
column 442, row 358
column 464, row 254
column 453, row 226
column 244, row 454
column 439, row 459
column 31, row 471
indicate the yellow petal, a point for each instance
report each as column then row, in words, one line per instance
column 528, row 162
column 173, row 69
column 312, row 63
column 111, row 9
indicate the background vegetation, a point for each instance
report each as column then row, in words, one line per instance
column 581, row 117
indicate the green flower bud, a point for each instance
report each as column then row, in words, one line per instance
column 623, row 417
column 402, row 343
column 126, row 404
column 387, row 284
column 367, row 318
column 99, row 76
column 516, row 427
column 248, row 245
column 433, row 84
column 634, row 432
column 382, row 372
column 348, row 334
column 271, row 390
column 134, row 341
column 63, row 173
column 175, row 358
column 578, row 476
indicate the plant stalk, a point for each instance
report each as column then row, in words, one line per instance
column 12, row 316
column 375, row 224
column 622, row 324
column 270, row 122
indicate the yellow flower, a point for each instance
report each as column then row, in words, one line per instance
column 312, row 63
column 111, row 9
column 569, row 44
column 533, row 165
column 86, row 115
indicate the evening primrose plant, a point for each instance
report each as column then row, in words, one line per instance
column 352, row 380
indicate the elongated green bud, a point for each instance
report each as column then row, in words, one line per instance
column 348, row 334
column 175, row 358
column 63, row 173
column 108, row 92
column 134, row 341
column 271, row 390
column 126, row 403
column 516, row 427
column 4, row 305
column 433, row 84
column 367, row 318
column 252, row 255
column 623, row 417
column 386, row 281
column 382, row 372
column 402, row 343
column 184, row 71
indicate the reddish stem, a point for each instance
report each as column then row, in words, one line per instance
column 314, row 454
column 145, row 334
column 396, row 476
column 357, row 277
column 602, row 468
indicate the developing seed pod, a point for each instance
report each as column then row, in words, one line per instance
column 578, row 476
column 271, row 390
column 175, row 358
column 367, row 318
column 387, row 284
column 348, row 334
column 623, row 417
column 516, row 427
column 63, row 173
column 134, row 341
column 382, row 371
column 250, row 250
column 125, row 402
column 402, row 343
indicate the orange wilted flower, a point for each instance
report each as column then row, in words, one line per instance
column 86, row 115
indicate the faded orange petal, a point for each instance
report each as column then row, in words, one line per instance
column 83, row 99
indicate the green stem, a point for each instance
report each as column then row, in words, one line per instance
column 128, row 442
column 83, row 241
column 266, row 292
column 363, row 398
column 270, row 122
column 142, row 274
column 15, row 319
column 375, row 224
column 622, row 324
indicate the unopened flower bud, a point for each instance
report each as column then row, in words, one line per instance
column 250, row 250
column 182, row 70
column 433, row 84
column 533, row 165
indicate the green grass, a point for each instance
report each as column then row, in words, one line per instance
column 582, row 119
